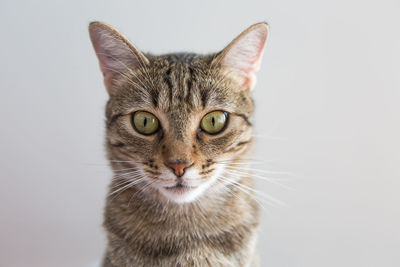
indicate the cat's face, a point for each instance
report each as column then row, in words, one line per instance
column 176, row 120
column 181, row 128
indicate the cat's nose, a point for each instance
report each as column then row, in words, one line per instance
column 178, row 167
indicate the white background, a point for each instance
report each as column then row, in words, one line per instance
column 327, row 96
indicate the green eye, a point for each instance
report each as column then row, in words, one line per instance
column 145, row 122
column 214, row 122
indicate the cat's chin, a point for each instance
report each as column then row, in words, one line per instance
column 182, row 194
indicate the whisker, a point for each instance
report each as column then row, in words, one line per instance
column 121, row 183
column 143, row 189
column 238, row 163
column 126, row 169
column 129, row 177
column 261, row 194
column 249, row 173
column 239, row 174
column 243, row 161
column 233, row 193
column 127, row 186
column 244, row 190
column 128, row 174
column 258, row 170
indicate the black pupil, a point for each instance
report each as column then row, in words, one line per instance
column 213, row 121
column 145, row 122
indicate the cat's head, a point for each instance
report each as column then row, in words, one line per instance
column 174, row 121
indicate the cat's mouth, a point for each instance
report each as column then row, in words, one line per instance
column 180, row 188
column 182, row 192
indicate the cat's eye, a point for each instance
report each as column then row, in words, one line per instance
column 214, row 122
column 145, row 122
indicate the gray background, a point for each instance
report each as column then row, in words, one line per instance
column 327, row 110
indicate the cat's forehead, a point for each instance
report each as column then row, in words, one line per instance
column 179, row 59
column 180, row 85
column 191, row 81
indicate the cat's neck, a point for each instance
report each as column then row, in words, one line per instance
column 212, row 209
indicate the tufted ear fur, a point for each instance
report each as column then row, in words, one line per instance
column 242, row 57
column 115, row 53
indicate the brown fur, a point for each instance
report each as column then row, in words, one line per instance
column 143, row 227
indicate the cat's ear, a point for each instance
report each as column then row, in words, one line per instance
column 241, row 58
column 115, row 53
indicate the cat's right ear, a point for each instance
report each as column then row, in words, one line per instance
column 116, row 54
column 241, row 58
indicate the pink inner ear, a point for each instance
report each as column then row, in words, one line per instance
column 108, row 69
column 244, row 56
column 114, row 54
column 107, row 77
column 250, row 72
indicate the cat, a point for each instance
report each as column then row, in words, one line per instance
column 175, row 125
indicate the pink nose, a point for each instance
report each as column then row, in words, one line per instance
column 178, row 168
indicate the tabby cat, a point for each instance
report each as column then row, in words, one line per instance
column 175, row 124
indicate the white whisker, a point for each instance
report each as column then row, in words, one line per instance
column 126, row 169
column 128, row 174
column 143, row 189
column 240, row 174
column 261, row 194
column 258, row 170
column 244, row 190
column 127, row 186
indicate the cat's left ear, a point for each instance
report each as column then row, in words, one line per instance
column 116, row 54
column 241, row 58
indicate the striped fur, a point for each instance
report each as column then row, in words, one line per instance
column 144, row 228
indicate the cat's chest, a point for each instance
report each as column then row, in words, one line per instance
column 184, row 248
